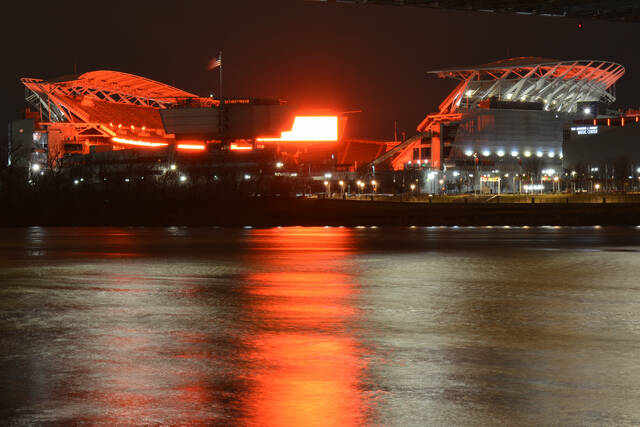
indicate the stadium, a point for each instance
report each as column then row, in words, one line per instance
column 501, row 128
column 507, row 117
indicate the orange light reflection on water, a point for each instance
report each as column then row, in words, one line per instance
column 306, row 369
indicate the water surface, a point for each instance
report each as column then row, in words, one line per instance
column 320, row 326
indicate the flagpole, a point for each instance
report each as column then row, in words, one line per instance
column 220, row 88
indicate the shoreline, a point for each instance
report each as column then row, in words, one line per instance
column 273, row 212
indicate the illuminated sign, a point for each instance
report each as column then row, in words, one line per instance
column 533, row 187
column 585, row 130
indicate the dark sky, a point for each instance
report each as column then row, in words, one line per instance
column 344, row 57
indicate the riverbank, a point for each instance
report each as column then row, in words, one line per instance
column 268, row 212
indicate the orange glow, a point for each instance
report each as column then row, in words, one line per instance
column 310, row 128
column 595, row 122
column 305, row 369
column 622, row 121
column 139, row 143
column 240, row 147
column 191, row 146
column 608, row 122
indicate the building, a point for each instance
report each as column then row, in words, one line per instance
column 505, row 119
column 110, row 119
column 604, row 152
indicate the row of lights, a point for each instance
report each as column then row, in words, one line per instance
column 514, row 153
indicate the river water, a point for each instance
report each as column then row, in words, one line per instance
column 320, row 326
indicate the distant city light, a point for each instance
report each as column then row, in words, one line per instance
column 35, row 167
column 183, row 178
column 247, row 177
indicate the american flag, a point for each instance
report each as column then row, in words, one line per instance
column 215, row 62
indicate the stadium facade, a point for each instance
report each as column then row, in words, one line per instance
column 112, row 119
column 501, row 129
column 506, row 119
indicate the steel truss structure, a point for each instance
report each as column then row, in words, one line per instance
column 557, row 85
column 58, row 99
column 612, row 10
column 539, row 89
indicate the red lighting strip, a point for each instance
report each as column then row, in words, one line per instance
column 139, row 143
column 191, row 146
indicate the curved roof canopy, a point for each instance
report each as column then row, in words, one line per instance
column 132, row 85
column 111, row 86
column 558, row 85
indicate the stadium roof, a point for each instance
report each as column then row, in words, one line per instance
column 559, row 85
column 112, row 86
column 524, row 61
column 612, row 10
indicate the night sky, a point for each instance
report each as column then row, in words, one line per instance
column 343, row 57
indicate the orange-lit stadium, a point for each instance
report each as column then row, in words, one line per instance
column 114, row 119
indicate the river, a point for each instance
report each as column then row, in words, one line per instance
column 320, row 326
